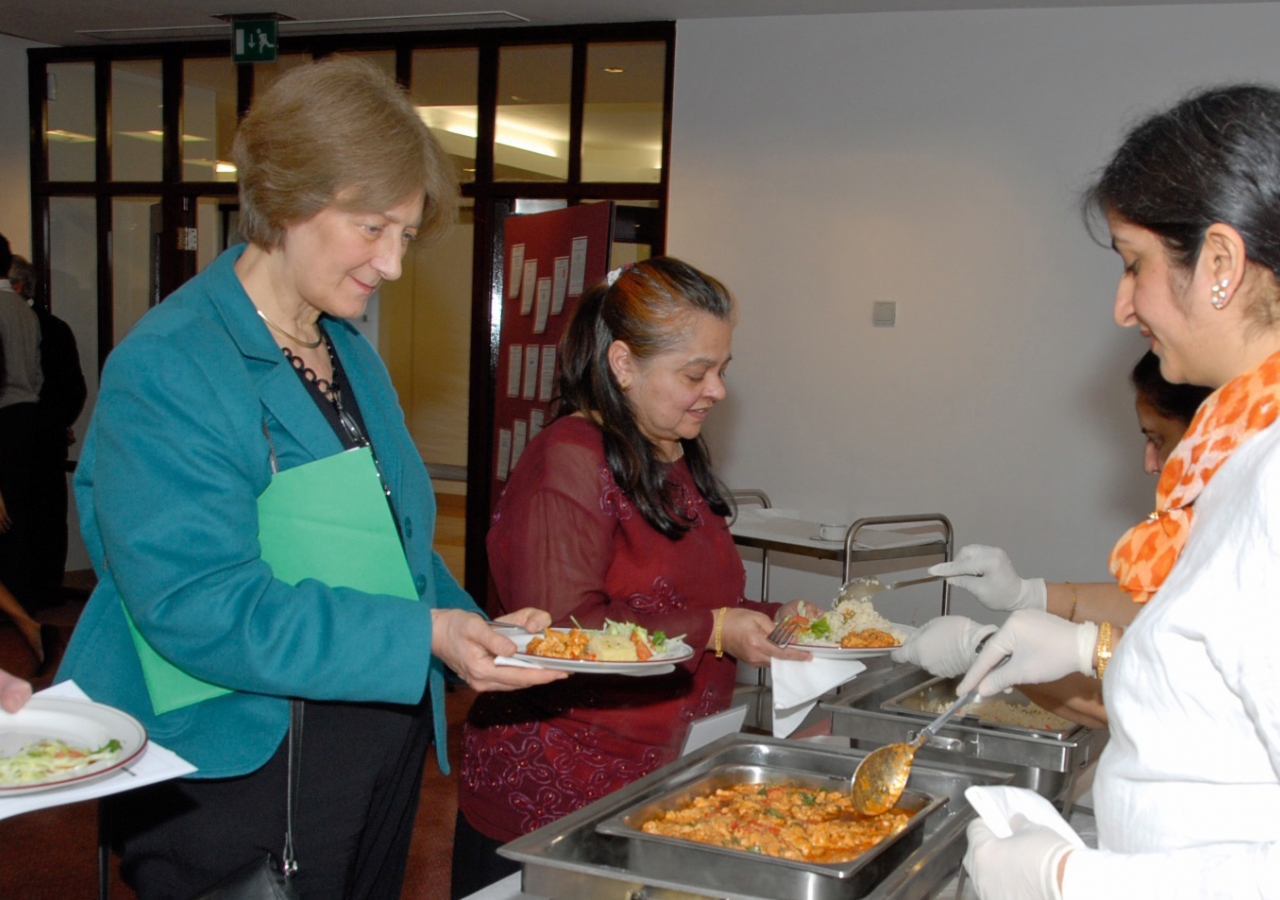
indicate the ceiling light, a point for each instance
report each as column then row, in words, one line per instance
column 462, row 121
column 68, row 137
column 155, row 134
column 614, row 70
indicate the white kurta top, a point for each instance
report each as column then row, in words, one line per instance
column 1187, row 793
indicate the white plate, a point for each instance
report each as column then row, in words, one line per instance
column 661, row 664
column 827, row 650
column 79, row 723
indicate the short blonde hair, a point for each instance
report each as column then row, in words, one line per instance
column 337, row 132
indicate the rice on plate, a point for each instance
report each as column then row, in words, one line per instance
column 846, row 617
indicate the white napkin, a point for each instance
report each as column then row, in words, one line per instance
column 797, row 685
column 998, row 804
column 155, row 764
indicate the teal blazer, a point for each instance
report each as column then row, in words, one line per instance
column 167, row 487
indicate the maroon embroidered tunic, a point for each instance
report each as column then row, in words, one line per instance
column 566, row 539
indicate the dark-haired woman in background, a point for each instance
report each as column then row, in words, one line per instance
column 1165, row 410
column 614, row 512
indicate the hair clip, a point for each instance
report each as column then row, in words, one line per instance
column 613, row 275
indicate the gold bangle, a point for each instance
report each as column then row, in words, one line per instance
column 720, row 631
column 1075, row 599
column 1104, row 648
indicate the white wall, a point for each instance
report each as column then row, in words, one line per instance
column 933, row 159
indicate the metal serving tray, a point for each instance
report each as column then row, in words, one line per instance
column 1045, row 762
column 575, row 858
column 928, row 699
column 862, row 872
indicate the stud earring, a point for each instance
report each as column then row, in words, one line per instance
column 1219, row 291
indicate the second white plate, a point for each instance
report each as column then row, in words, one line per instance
column 828, row 650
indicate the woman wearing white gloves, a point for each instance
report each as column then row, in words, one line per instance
column 948, row 645
column 1186, row 790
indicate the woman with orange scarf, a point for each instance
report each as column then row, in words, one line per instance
column 1185, row 791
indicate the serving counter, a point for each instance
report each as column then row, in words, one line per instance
column 599, row 852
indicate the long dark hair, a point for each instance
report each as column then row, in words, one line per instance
column 643, row 308
column 1214, row 157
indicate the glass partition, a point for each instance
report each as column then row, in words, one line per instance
column 622, row 112
column 137, row 120
column 70, row 129
column 135, row 260
column 531, row 141
column 73, row 284
column 217, row 228
column 208, row 119
column 443, row 88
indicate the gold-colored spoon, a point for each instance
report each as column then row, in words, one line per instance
column 882, row 775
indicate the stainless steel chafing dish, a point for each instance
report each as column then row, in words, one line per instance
column 891, row 704
column 598, row 853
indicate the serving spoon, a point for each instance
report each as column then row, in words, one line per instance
column 882, row 775
column 866, row 586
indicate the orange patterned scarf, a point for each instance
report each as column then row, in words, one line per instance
column 1231, row 415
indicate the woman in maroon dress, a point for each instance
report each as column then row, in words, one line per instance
column 614, row 512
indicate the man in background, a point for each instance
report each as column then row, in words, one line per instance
column 62, row 397
column 20, row 423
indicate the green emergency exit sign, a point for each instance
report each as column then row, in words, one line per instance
column 253, row 40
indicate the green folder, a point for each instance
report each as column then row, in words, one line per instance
column 328, row 520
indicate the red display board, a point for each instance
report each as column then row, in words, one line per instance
column 549, row 260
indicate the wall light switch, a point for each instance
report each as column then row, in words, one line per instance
column 884, row 313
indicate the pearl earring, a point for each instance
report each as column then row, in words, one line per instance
column 1219, row 292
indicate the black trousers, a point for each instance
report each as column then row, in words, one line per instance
column 360, row 780
column 33, row 482
column 476, row 863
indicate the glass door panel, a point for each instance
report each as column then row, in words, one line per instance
column 73, row 279
column 135, row 260
column 208, row 119
column 137, row 121
column 70, row 129
column 423, row 327
column 622, row 112
column 531, row 141
column 444, row 87
column 217, row 228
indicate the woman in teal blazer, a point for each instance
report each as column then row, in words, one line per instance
column 252, row 359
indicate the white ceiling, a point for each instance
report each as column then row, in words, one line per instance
column 73, row 22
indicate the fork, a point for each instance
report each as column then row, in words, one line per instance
column 785, row 631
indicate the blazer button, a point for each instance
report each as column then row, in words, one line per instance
column 421, row 584
column 408, row 528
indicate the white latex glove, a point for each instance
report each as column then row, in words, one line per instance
column 946, row 646
column 1042, row 648
column 987, row 573
column 1021, row 867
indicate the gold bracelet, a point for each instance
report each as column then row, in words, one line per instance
column 720, row 613
column 1075, row 599
column 1104, row 648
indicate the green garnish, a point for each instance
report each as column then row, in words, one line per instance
column 820, row 628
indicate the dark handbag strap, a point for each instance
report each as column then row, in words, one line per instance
column 290, row 862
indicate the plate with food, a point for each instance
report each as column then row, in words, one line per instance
column 852, row 629
column 52, row 742
column 619, row 648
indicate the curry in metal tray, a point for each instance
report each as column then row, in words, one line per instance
column 787, row 821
